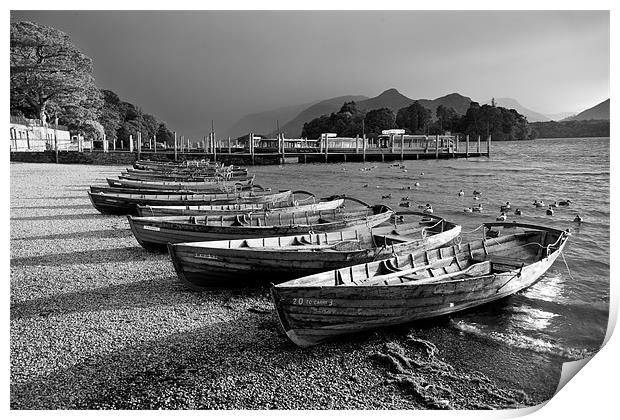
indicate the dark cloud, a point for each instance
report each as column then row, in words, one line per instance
column 188, row 67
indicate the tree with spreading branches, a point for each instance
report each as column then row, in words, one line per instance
column 50, row 76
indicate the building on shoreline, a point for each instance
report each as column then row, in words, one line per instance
column 31, row 135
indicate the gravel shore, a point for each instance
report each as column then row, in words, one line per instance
column 99, row 322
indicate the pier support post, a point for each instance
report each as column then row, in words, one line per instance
column 283, row 149
column 251, row 140
column 139, row 144
column 364, row 148
column 229, row 146
column 175, row 147
column 326, row 147
column 131, row 143
column 106, row 146
column 155, row 143
column 357, row 148
column 437, row 147
column 402, row 147
column 478, row 146
column 215, row 145
column 456, row 143
column 425, row 144
column 392, row 143
column 467, row 146
column 489, row 146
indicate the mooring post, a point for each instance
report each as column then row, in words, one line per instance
column 321, row 144
column 251, row 140
column 175, row 147
column 364, row 147
column 456, row 143
column 478, row 145
column 106, row 146
column 56, row 138
column 139, row 144
column 114, row 144
column 326, row 147
column 467, row 146
column 155, row 142
column 489, row 146
column 229, row 146
column 402, row 146
column 215, row 145
column 357, row 138
column 437, row 147
column 283, row 149
column 131, row 143
column 425, row 143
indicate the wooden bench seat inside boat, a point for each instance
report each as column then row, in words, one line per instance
column 390, row 239
column 503, row 262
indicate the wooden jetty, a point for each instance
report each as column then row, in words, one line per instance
column 252, row 149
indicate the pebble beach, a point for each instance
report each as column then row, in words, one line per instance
column 98, row 322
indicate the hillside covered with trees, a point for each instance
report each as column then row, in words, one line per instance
column 500, row 123
column 569, row 129
column 50, row 78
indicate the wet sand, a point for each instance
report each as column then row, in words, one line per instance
column 99, row 322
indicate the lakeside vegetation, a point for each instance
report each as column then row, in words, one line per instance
column 569, row 129
column 485, row 120
column 51, row 78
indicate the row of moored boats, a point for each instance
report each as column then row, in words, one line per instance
column 336, row 265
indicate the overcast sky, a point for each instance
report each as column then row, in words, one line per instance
column 187, row 68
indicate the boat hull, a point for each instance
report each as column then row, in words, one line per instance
column 313, row 314
column 204, row 265
column 155, row 211
column 155, row 234
column 126, row 203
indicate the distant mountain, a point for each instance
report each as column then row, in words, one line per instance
column 560, row 115
column 460, row 103
column 293, row 127
column 597, row 112
column 391, row 98
column 532, row 116
column 265, row 122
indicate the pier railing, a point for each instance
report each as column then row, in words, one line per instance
column 329, row 148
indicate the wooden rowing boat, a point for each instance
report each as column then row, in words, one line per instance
column 190, row 177
column 212, row 185
column 157, row 232
column 115, row 190
column 201, row 265
column 421, row 285
column 287, row 207
column 126, row 203
column 157, row 165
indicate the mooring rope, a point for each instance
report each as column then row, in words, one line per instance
column 566, row 264
column 482, row 225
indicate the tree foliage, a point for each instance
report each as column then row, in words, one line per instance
column 497, row 122
column 414, row 119
column 164, row 135
column 347, row 122
column 50, row 76
column 377, row 120
column 568, row 129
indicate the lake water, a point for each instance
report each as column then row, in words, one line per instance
column 563, row 316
